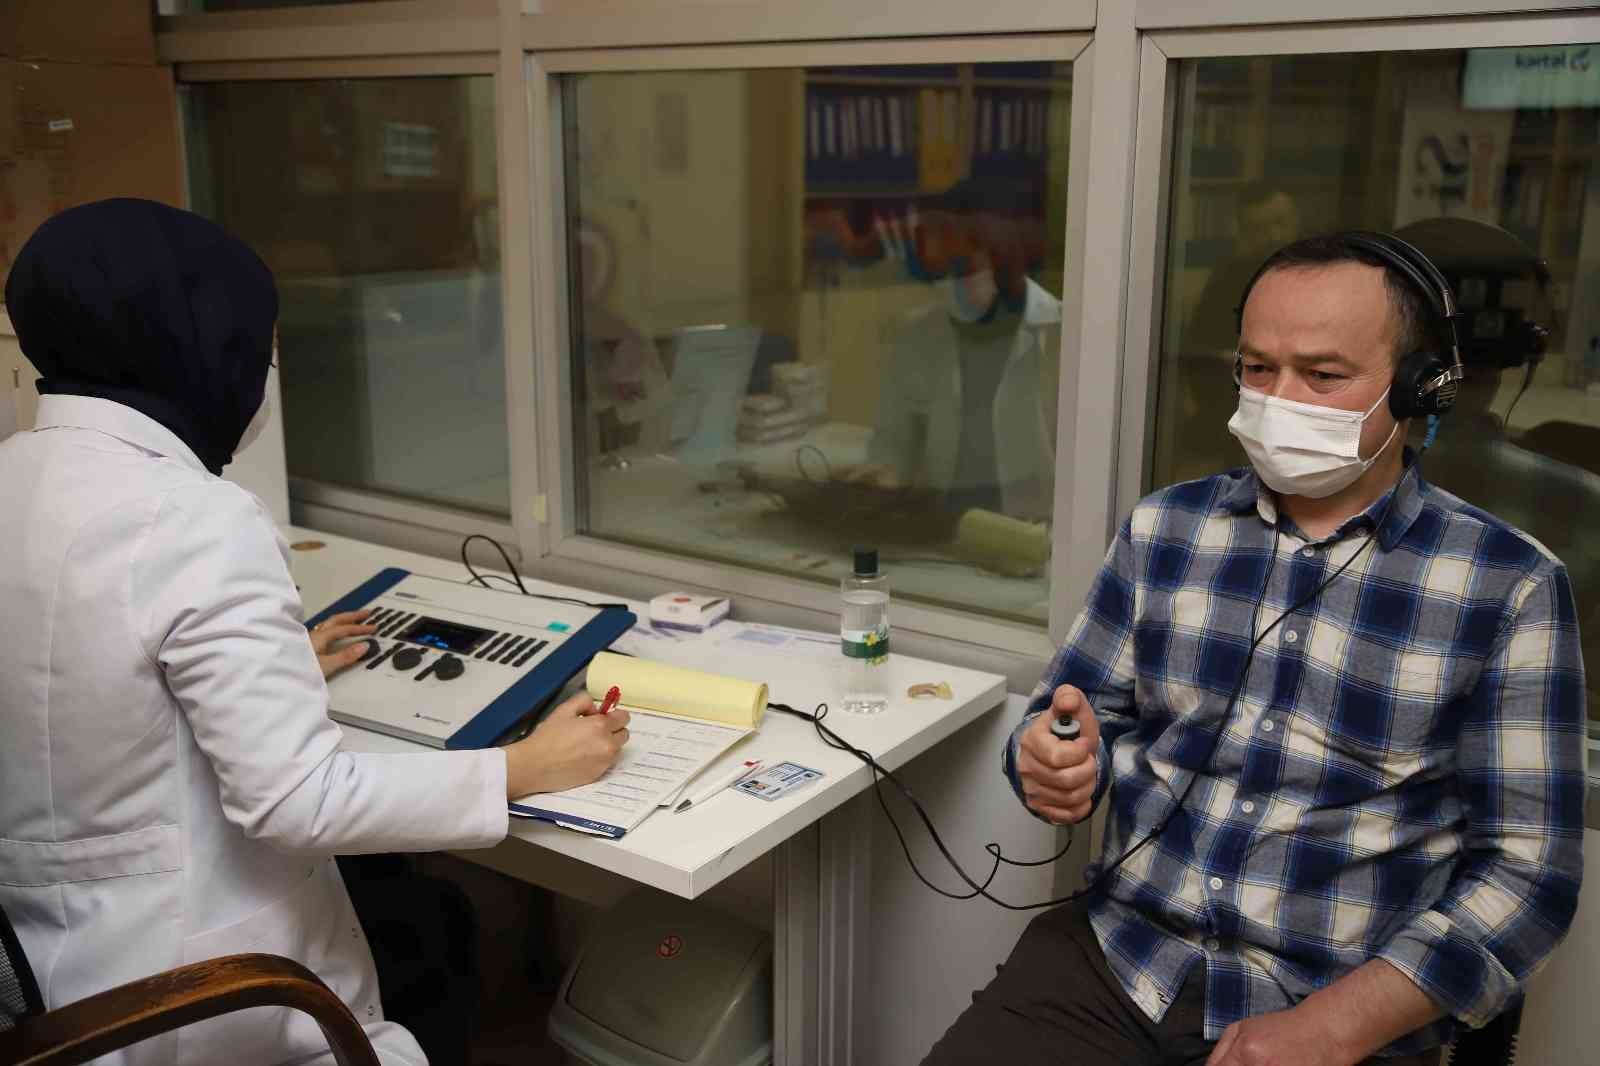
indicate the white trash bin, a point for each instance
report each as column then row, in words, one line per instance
column 666, row 982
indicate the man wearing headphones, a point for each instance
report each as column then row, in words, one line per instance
column 1339, row 714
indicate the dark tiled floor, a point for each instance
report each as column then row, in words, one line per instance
column 518, row 962
column 511, row 1032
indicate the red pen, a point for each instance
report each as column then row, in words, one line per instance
column 613, row 694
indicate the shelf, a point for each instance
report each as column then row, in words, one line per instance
column 880, row 81
column 1320, row 94
column 866, row 192
column 1026, row 84
column 1569, row 154
column 1286, row 179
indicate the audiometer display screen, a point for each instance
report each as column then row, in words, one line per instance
column 446, row 636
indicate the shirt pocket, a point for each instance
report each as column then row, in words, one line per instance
column 1367, row 714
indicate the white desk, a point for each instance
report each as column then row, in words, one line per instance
column 822, row 853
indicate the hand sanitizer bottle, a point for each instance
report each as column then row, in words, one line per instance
column 864, row 635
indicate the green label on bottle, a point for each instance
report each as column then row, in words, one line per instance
column 869, row 644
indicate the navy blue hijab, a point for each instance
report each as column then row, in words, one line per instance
column 155, row 308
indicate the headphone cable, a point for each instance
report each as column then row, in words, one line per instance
column 516, row 578
column 1527, row 380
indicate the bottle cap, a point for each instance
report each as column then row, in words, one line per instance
column 866, row 562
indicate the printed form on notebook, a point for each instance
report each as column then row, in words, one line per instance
column 682, row 722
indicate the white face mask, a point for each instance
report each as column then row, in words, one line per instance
column 1303, row 449
column 258, row 422
column 971, row 296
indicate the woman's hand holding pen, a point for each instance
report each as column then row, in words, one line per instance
column 573, row 746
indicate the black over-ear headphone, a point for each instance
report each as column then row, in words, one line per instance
column 1425, row 382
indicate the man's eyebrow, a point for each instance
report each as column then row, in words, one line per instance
column 1304, row 359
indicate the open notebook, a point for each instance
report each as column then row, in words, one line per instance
column 682, row 721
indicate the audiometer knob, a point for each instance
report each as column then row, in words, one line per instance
column 407, row 658
column 448, row 668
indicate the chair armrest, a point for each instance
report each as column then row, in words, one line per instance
column 138, row 1010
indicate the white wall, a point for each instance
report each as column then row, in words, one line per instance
column 1558, row 1022
column 678, row 232
column 261, row 467
column 17, row 397
column 943, row 950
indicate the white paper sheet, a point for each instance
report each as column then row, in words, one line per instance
column 662, row 755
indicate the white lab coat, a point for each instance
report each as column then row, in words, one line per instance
column 173, row 788
column 919, row 406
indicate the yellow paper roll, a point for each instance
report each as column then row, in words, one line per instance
column 653, row 686
column 1001, row 543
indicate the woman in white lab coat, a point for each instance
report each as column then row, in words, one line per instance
column 966, row 404
column 973, row 420
column 173, row 788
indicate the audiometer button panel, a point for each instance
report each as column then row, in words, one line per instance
column 383, row 657
column 407, row 658
column 531, row 652
column 511, row 649
column 491, row 647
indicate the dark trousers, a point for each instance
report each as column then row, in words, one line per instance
column 1055, row 1002
column 423, row 934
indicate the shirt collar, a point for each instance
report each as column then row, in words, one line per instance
column 1039, row 307
column 63, row 411
column 1244, row 491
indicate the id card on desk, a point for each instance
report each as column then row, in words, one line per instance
column 777, row 780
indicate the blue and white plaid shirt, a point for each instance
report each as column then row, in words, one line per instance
column 1401, row 777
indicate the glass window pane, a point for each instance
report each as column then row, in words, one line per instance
column 1272, row 148
column 816, row 308
column 374, row 201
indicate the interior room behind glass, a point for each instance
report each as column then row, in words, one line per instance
column 815, row 308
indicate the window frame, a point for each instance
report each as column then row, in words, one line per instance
column 563, row 543
column 550, row 25
column 1154, row 15
column 395, row 28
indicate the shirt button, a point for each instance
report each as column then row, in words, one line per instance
column 1212, row 943
column 1216, row 884
column 1248, row 807
column 1291, row 636
column 1268, row 726
column 1308, row 552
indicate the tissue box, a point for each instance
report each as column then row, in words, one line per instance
column 694, row 614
